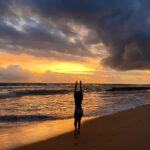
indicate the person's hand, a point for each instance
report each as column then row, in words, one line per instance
column 76, row 84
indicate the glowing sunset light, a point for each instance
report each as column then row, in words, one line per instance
column 68, row 68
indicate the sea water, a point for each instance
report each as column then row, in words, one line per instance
column 23, row 104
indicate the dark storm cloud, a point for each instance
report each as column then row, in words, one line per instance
column 122, row 25
column 38, row 40
column 4, row 7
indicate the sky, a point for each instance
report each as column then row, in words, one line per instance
column 96, row 41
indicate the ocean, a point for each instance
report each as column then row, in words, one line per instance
column 23, row 104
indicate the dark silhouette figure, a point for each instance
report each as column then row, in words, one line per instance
column 78, row 113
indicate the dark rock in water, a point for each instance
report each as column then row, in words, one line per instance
column 128, row 88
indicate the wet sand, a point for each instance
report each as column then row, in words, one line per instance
column 35, row 132
column 127, row 130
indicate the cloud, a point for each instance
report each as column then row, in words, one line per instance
column 14, row 73
column 52, row 28
column 25, row 32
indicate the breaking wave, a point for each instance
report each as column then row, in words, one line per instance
column 25, row 118
column 33, row 92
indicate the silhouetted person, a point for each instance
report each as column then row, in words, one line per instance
column 78, row 113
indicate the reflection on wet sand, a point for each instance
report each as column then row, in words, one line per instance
column 23, row 135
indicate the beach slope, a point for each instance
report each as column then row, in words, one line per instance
column 128, row 130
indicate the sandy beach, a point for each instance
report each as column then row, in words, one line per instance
column 127, row 130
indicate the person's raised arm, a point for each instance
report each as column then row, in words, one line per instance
column 81, row 86
column 75, row 88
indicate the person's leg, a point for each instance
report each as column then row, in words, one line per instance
column 79, row 125
column 75, row 125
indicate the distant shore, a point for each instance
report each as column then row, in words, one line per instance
column 127, row 130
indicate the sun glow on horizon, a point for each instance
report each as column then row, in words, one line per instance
column 38, row 69
column 68, row 68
